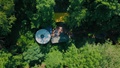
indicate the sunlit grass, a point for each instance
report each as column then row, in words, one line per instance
column 59, row 17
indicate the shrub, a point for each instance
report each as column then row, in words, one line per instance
column 54, row 59
column 33, row 55
column 4, row 58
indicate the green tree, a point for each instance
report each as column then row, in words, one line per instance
column 110, row 55
column 94, row 17
column 31, row 15
column 23, row 10
column 33, row 55
column 90, row 56
column 7, row 17
column 44, row 14
column 54, row 58
column 4, row 58
column 15, row 61
column 71, row 57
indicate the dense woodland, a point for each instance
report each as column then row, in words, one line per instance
column 94, row 24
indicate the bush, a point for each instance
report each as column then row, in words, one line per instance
column 99, row 18
column 71, row 57
column 33, row 55
column 16, row 61
column 111, row 56
column 4, row 58
column 7, row 16
column 54, row 59
column 92, row 56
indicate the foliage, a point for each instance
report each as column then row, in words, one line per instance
column 23, row 10
column 36, row 66
column 71, row 57
column 61, row 5
column 7, row 17
column 26, row 39
column 91, row 20
column 30, row 18
column 4, row 58
column 88, row 56
column 33, row 54
column 53, row 59
column 95, row 17
column 44, row 15
column 110, row 55
column 15, row 61
column 92, row 11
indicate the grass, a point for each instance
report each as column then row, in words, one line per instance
column 59, row 17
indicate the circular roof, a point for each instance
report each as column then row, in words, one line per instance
column 42, row 36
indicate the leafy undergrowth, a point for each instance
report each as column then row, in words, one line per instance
column 89, row 56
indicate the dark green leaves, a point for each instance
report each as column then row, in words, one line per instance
column 33, row 53
column 44, row 15
column 7, row 17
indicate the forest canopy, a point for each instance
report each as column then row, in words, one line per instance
column 93, row 24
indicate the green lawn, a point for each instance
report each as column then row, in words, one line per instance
column 59, row 17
